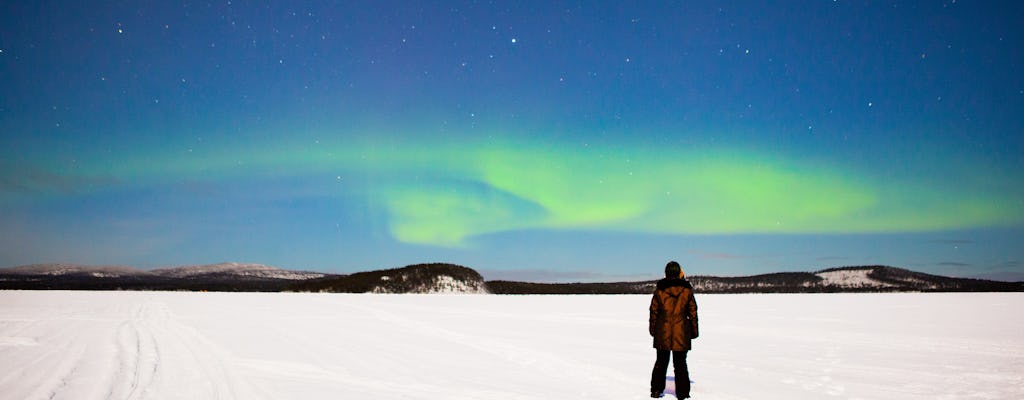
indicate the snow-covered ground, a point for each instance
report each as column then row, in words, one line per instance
column 150, row 345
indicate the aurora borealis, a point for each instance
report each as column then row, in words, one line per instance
column 547, row 141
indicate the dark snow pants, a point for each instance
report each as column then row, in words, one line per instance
column 682, row 374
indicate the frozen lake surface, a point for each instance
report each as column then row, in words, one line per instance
column 157, row 345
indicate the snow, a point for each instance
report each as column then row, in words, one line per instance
column 65, row 269
column 857, row 278
column 441, row 284
column 237, row 269
column 450, row 285
column 178, row 345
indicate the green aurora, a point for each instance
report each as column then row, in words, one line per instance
column 447, row 194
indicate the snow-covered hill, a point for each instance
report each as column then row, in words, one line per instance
column 875, row 278
column 420, row 278
column 449, row 278
column 111, row 271
column 220, row 277
column 889, row 278
column 846, row 279
column 222, row 269
column 236, row 269
column 857, row 278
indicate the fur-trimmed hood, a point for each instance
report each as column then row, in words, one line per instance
column 673, row 282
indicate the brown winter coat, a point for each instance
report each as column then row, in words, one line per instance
column 673, row 319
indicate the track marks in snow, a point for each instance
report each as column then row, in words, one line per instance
column 138, row 355
column 159, row 355
column 109, row 348
column 45, row 360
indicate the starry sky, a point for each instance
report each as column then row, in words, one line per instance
column 547, row 141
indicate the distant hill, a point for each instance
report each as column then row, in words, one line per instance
column 214, row 277
column 236, row 270
column 72, row 269
column 513, row 287
column 450, row 278
column 420, row 278
column 846, row 279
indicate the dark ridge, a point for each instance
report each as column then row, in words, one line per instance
column 419, row 278
column 888, row 279
column 512, row 287
column 81, row 277
column 210, row 282
column 424, row 278
column 943, row 283
column 781, row 282
column 902, row 279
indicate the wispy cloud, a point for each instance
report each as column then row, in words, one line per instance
column 31, row 179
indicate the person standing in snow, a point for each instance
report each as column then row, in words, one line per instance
column 673, row 323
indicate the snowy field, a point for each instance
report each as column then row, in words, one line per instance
column 152, row 345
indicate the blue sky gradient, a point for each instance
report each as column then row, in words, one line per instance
column 544, row 140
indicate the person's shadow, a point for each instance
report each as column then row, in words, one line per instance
column 670, row 385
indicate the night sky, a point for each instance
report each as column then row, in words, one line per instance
column 552, row 141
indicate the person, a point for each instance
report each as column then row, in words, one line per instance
column 673, row 323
